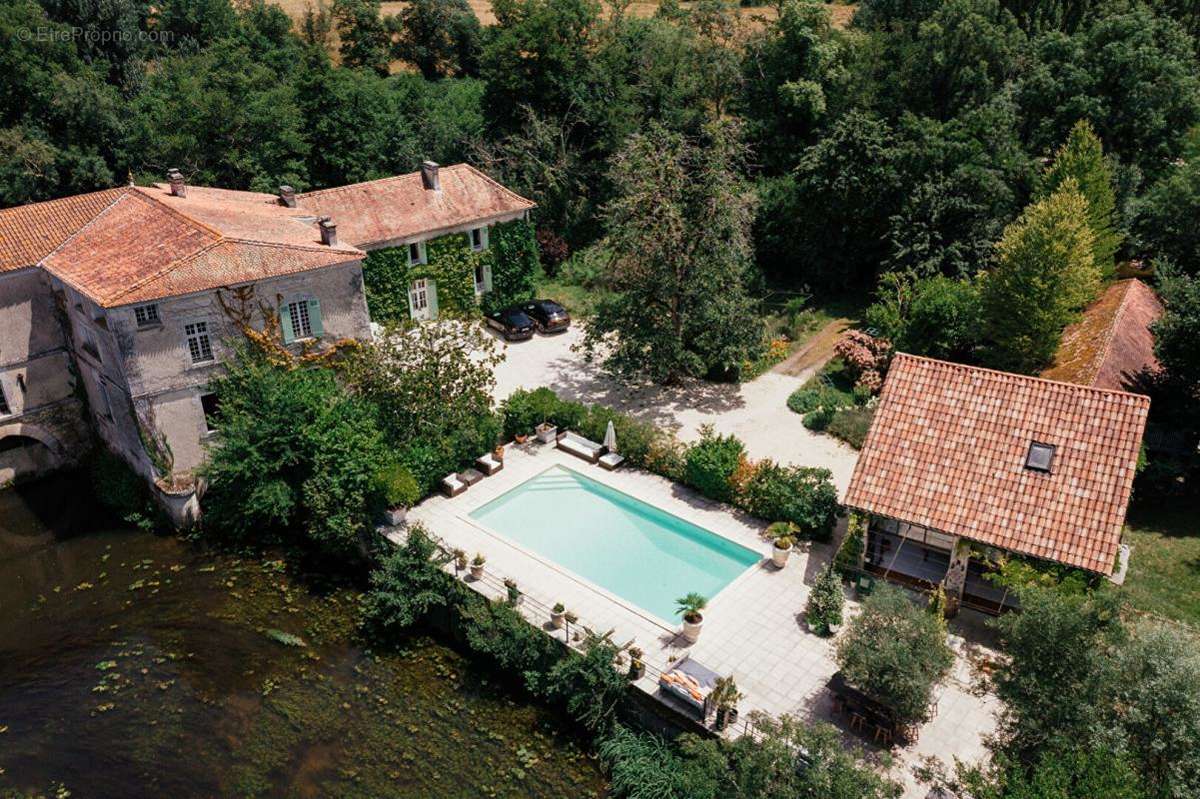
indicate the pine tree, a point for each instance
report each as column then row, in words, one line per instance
column 1082, row 157
column 1046, row 272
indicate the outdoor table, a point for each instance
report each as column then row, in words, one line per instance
column 470, row 476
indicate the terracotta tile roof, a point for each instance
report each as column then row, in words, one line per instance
column 28, row 233
column 947, row 450
column 149, row 245
column 380, row 211
column 1111, row 345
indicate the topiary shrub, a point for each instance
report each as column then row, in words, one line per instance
column 825, row 602
column 802, row 495
column 520, row 412
column 710, row 464
column 849, row 555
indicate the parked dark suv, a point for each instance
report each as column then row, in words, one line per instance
column 512, row 322
column 548, row 315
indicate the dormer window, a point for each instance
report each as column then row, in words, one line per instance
column 1040, row 457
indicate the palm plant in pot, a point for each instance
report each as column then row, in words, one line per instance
column 558, row 615
column 782, row 550
column 725, row 697
column 690, row 606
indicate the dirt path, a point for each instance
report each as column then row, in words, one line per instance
column 816, row 351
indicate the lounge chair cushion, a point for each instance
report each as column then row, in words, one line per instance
column 689, row 681
column 578, row 445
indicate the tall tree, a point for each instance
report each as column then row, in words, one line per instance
column 1164, row 224
column 679, row 231
column 1045, row 273
column 1081, row 158
column 364, row 36
column 1177, row 340
column 439, row 37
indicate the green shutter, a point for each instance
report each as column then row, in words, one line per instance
column 285, row 324
column 431, row 290
column 487, row 277
column 314, row 318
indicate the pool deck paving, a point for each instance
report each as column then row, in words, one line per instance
column 753, row 628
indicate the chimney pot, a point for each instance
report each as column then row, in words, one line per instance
column 429, row 175
column 328, row 231
column 175, row 179
column 287, row 196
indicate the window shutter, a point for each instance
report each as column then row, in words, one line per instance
column 432, row 289
column 487, row 277
column 483, row 238
column 285, row 324
column 314, row 318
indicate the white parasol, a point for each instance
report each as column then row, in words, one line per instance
column 610, row 438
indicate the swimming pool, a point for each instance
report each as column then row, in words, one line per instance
column 642, row 554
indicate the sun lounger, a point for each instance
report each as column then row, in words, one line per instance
column 689, row 682
column 611, row 461
column 452, row 486
column 488, row 464
column 580, row 447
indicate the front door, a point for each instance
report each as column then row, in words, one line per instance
column 418, row 299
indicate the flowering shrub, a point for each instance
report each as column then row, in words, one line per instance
column 865, row 356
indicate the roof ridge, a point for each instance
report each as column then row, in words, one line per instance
column 63, row 200
column 170, row 267
column 293, row 246
column 480, row 173
column 1114, row 324
column 355, row 185
column 143, row 192
column 1020, row 377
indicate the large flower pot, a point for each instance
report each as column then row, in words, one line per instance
column 780, row 555
column 395, row 516
column 476, row 572
column 691, row 629
column 546, row 433
column 557, row 619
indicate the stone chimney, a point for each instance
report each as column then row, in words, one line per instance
column 178, row 187
column 429, row 176
column 328, row 231
column 287, row 196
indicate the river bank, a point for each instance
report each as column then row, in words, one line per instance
column 134, row 665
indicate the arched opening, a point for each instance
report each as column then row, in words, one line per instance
column 26, row 451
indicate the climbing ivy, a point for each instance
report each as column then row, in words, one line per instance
column 515, row 265
column 451, row 265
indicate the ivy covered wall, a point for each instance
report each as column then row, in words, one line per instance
column 512, row 256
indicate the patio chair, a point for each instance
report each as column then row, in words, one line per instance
column 685, row 679
column 488, row 464
column 452, row 486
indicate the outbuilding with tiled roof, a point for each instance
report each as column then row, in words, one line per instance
column 1020, row 464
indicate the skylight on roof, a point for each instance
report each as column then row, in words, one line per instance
column 1040, row 457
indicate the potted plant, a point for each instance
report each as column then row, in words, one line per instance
column 725, row 697
column 690, row 606
column 825, row 603
column 460, row 561
column 781, row 551
column 546, row 432
column 498, row 452
column 514, row 595
column 477, row 566
column 521, row 438
column 557, row 615
column 637, row 668
column 399, row 490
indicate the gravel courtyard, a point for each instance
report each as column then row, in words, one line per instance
column 756, row 412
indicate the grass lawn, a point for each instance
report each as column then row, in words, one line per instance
column 1164, row 574
column 578, row 300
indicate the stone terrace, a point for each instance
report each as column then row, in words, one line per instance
column 753, row 628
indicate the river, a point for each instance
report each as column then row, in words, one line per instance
column 135, row 665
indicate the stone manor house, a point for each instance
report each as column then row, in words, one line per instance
column 117, row 307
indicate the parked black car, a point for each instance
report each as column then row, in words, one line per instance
column 512, row 323
column 548, row 315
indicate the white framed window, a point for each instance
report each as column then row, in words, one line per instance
column 419, row 295
column 147, row 315
column 417, row 254
column 5, row 410
column 211, row 406
column 199, row 344
column 301, row 319
column 479, row 239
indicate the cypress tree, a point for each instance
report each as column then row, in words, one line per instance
column 1082, row 158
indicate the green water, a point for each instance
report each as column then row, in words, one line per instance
column 137, row 666
column 637, row 551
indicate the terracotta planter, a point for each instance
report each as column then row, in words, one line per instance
column 521, row 439
column 780, row 555
column 498, row 453
column 558, row 619
column 691, row 629
column 476, row 572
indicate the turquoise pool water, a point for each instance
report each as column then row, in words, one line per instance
column 642, row 554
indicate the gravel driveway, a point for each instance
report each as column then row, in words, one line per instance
column 756, row 412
